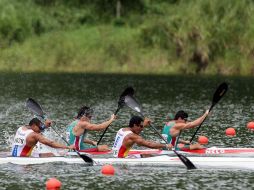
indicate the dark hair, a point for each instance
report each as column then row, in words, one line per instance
column 182, row 114
column 135, row 120
column 85, row 110
column 35, row 121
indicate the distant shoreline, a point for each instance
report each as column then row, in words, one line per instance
column 178, row 37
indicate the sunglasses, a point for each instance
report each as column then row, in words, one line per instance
column 42, row 127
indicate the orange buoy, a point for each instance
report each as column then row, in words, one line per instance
column 53, row 184
column 203, row 140
column 108, row 170
column 250, row 125
column 230, row 132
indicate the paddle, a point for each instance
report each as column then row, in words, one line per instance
column 127, row 91
column 219, row 93
column 36, row 109
column 132, row 103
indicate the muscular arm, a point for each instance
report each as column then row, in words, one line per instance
column 192, row 124
column 196, row 122
column 88, row 141
column 48, row 142
column 184, row 142
column 96, row 127
column 142, row 142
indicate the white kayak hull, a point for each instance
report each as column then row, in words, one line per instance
column 200, row 162
column 206, row 151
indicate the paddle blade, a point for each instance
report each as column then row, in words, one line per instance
column 34, row 107
column 87, row 159
column 186, row 161
column 128, row 91
column 220, row 92
column 132, row 103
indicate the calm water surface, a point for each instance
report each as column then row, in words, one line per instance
column 62, row 94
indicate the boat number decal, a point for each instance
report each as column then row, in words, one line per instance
column 215, row 151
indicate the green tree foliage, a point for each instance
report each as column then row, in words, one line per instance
column 198, row 36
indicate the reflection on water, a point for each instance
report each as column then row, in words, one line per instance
column 75, row 176
column 62, row 94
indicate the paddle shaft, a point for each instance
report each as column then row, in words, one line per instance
column 117, row 110
column 219, row 93
column 66, row 141
column 128, row 91
column 84, row 157
column 37, row 110
column 201, row 123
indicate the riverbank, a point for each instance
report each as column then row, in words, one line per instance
column 199, row 37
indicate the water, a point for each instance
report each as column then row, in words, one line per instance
column 61, row 95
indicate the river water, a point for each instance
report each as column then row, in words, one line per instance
column 61, row 95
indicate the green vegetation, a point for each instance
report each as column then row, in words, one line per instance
column 141, row 36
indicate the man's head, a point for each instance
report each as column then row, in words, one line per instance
column 136, row 124
column 37, row 125
column 85, row 111
column 182, row 115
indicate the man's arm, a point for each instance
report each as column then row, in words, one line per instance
column 88, row 141
column 149, row 144
column 196, row 122
column 184, row 142
column 51, row 143
column 97, row 127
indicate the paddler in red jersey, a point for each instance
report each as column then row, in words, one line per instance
column 127, row 137
column 172, row 129
column 28, row 136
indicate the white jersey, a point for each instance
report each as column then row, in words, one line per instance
column 19, row 147
column 119, row 150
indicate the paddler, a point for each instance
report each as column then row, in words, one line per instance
column 172, row 129
column 127, row 137
column 78, row 129
column 29, row 135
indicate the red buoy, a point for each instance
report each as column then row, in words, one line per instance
column 250, row 125
column 203, row 140
column 108, row 170
column 230, row 132
column 53, row 184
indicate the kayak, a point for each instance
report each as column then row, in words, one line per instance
column 204, row 151
column 213, row 151
column 199, row 162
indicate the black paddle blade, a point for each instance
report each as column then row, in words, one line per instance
column 87, row 159
column 128, row 91
column 34, row 107
column 220, row 92
column 186, row 161
column 132, row 103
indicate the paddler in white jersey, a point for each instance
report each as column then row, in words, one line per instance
column 77, row 130
column 28, row 136
column 172, row 129
column 127, row 137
